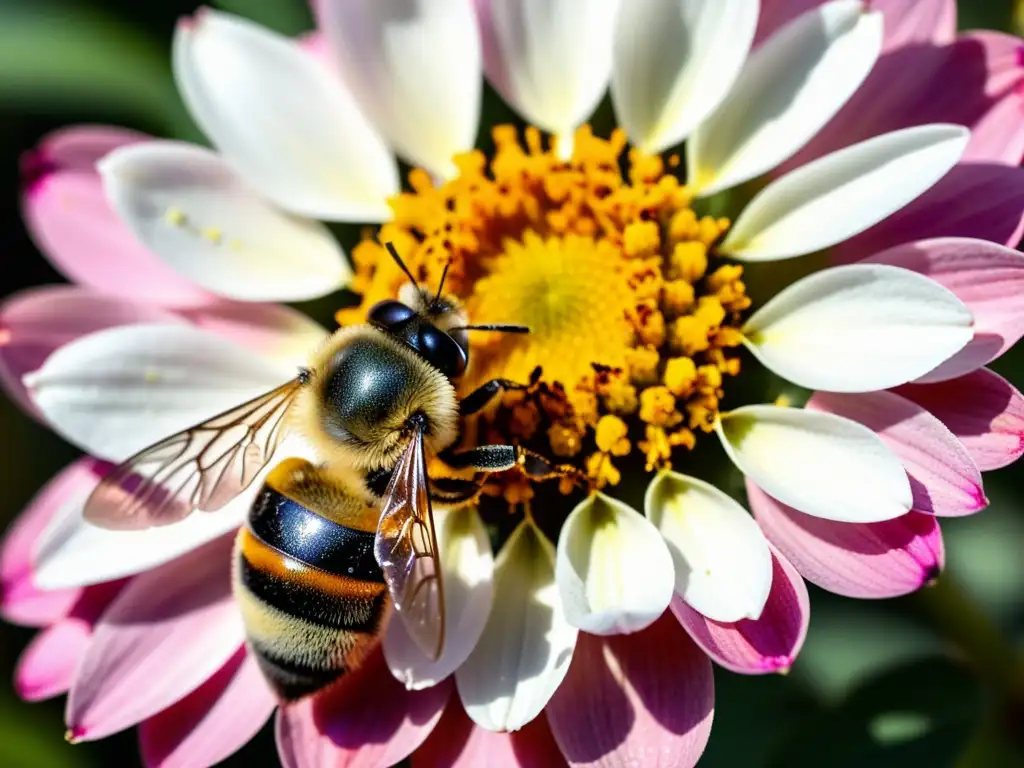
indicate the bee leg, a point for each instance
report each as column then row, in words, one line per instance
column 452, row 491
column 486, row 392
column 485, row 458
column 537, row 467
column 498, row 458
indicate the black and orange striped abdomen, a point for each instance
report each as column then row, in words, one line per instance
column 313, row 598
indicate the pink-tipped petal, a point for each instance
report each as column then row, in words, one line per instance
column 457, row 743
column 642, row 699
column 944, row 478
column 997, row 132
column 907, row 22
column 974, row 200
column 48, row 665
column 315, row 45
column 168, row 631
column 72, row 223
column 756, row 647
column 21, row 602
column 998, row 135
column 864, row 560
column 35, row 322
column 212, row 722
column 988, row 278
column 983, row 410
column 917, row 22
column 980, row 75
column 369, row 719
column 273, row 330
column 77, row 148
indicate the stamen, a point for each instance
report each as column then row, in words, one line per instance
column 633, row 323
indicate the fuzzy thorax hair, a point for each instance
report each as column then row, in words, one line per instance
column 378, row 442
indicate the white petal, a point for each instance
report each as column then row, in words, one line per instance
column 527, row 645
column 116, row 391
column 468, row 567
column 817, row 463
column 273, row 330
column 283, row 119
column 74, row 553
column 603, row 591
column 415, row 67
column 789, row 89
column 550, row 59
column 842, row 194
column 722, row 560
column 186, row 205
column 858, row 328
column 674, row 62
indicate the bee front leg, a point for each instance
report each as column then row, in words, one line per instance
column 486, row 392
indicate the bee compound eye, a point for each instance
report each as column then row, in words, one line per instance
column 390, row 313
column 442, row 351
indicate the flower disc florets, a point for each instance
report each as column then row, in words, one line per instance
column 634, row 328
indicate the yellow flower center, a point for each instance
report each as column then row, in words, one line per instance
column 633, row 326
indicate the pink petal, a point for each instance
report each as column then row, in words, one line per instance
column 907, row 22
column 168, row 632
column 457, row 743
column 49, row 662
column 865, row 560
column 982, row 409
column 76, row 229
column 35, row 322
column 22, row 603
column 315, row 44
column 998, row 135
column 48, row 665
column 642, row 699
column 988, row 278
column 970, row 82
column 211, row 723
column 944, row 478
column 917, row 22
column 984, row 201
column 369, row 719
column 769, row 644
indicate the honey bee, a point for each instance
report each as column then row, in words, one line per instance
column 329, row 548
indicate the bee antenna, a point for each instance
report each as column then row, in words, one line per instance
column 440, row 285
column 496, row 327
column 398, row 260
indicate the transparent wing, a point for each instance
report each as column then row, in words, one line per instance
column 203, row 467
column 406, row 550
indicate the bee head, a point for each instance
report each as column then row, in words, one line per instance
column 414, row 328
column 431, row 323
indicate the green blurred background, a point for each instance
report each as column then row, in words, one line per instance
column 934, row 679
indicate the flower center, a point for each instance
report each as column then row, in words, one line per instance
column 633, row 328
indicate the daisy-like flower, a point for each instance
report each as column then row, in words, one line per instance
column 582, row 630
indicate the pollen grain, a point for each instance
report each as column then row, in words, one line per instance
column 634, row 326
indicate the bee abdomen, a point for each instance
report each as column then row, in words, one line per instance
column 313, row 598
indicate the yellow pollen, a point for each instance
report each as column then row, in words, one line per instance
column 634, row 320
column 175, row 217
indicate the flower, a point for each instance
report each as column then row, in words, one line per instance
column 634, row 285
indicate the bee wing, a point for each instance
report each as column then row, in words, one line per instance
column 202, row 467
column 406, row 550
